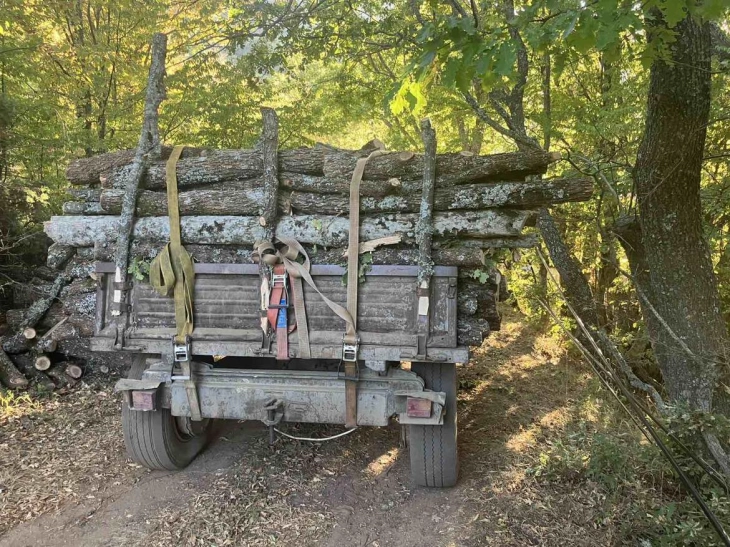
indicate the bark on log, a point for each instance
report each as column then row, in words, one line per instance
column 89, row 194
column 149, row 146
column 471, row 331
column 424, row 225
column 9, row 374
column 61, row 380
column 213, row 254
column 341, row 185
column 24, row 363
column 296, row 168
column 58, row 256
column 82, row 208
column 87, row 171
column 405, row 256
column 202, row 201
column 269, row 205
column 467, row 168
column 24, row 294
column 466, row 197
column 312, row 229
column 15, row 318
column 222, row 165
column 247, row 199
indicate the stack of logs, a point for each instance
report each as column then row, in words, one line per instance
column 46, row 334
column 480, row 203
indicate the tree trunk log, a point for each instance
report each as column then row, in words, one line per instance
column 62, row 381
column 42, row 362
column 312, row 229
column 220, row 166
column 73, row 370
column 465, row 168
column 9, row 374
column 471, row 331
column 24, row 363
column 82, row 208
column 296, row 168
column 58, row 256
column 466, row 197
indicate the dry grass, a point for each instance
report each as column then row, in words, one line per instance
column 59, row 450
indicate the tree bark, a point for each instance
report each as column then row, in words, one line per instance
column 24, row 363
column 59, row 255
column 297, row 168
column 667, row 175
column 467, row 168
column 248, row 199
column 405, row 198
column 313, row 229
column 215, row 166
column 9, row 374
column 269, row 205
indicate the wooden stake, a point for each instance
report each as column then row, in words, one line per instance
column 269, row 153
column 149, row 147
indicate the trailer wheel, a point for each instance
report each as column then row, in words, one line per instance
column 434, row 457
column 157, row 439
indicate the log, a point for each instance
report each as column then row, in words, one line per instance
column 42, row 362
column 47, row 345
column 202, row 201
column 467, row 197
column 87, row 171
column 15, row 318
column 24, row 294
column 73, row 370
column 213, row 254
column 465, row 168
column 222, row 165
column 248, row 199
column 60, row 378
column 59, row 255
column 89, row 194
column 471, row 331
column 82, row 208
column 424, row 225
column 9, row 374
column 18, row 343
column 29, row 333
column 24, row 363
column 335, row 165
column 325, row 230
column 341, row 185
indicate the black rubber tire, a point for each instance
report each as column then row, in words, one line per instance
column 434, row 454
column 155, row 439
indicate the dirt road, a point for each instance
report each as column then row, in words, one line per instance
column 65, row 479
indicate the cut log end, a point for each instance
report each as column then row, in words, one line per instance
column 42, row 362
column 29, row 333
column 74, row 371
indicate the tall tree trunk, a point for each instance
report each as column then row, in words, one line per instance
column 667, row 176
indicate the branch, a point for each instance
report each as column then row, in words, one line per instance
column 523, row 140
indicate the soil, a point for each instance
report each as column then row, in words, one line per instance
column 65, row 478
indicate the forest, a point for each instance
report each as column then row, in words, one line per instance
column 634, row 283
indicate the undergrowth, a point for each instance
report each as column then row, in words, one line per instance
column 637, row 485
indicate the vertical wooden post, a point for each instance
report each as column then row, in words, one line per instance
column 424, row 235
column 149, row 147
column 269, row 153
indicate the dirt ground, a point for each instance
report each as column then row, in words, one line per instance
column 65, row 479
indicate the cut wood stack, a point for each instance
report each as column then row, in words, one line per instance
column 480, row 202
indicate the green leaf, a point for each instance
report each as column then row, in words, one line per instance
column 506, row 59
column 674, row 11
